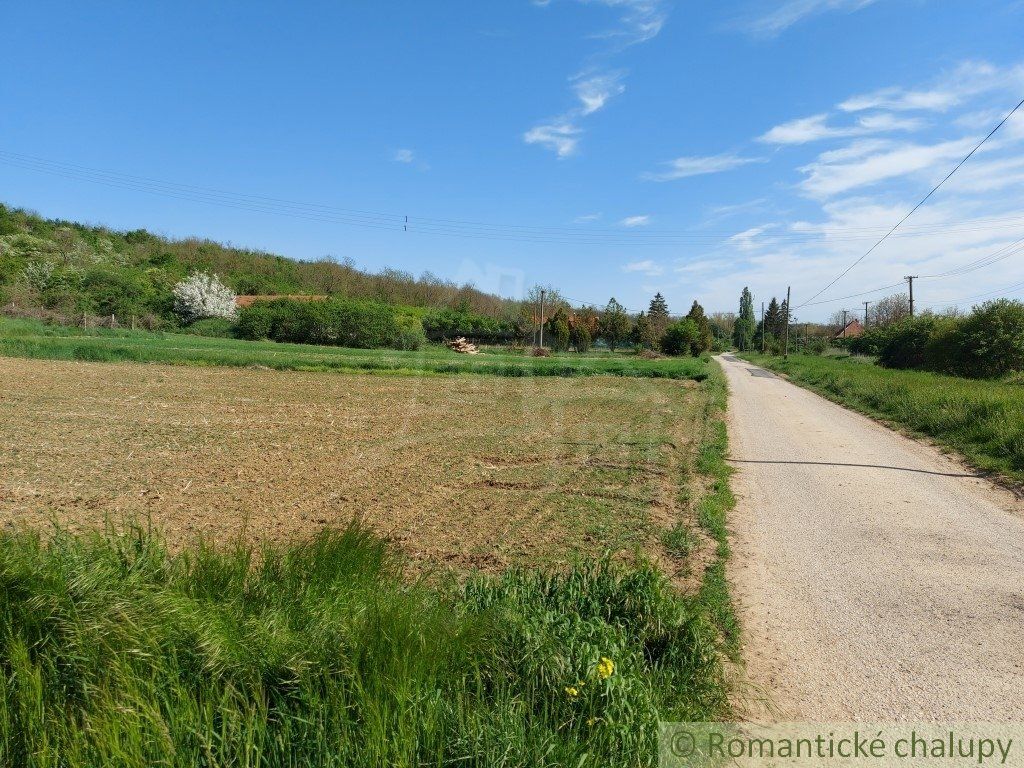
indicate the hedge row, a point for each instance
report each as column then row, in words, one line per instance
column 334, row 322
column 987, row 343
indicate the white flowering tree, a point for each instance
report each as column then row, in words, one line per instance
column 203, row 295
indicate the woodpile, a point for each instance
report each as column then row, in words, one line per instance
column 461, row 345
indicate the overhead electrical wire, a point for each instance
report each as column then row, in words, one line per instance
column 910, row 213
column 444, row 227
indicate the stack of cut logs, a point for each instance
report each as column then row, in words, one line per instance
column 461, row 345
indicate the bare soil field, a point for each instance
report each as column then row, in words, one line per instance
column 468, row 471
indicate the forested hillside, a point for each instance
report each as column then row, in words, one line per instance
column 61, row 269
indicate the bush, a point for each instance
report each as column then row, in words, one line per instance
column 203, row 295
column 682, row 338
column 580, row 337
column 451, row 323
column 990, row 341
column 906, row 343
column 334, row 322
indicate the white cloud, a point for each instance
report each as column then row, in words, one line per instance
column 595, row 90
column 560, row 137
column 639, row 21
column 636, row 221
column 969, row 79
column 793, row 11
column 646, row 267
column 815, row 128
column 835, row 173
column 683, row 167
column 747, row 239
column 587, row 218
column 403, row 156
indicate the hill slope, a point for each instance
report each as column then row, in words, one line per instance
column 62, row 268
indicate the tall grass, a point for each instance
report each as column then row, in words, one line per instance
column 982, row 420
column 117, row 652
column 30, row 339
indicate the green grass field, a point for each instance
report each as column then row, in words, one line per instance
column 23, row 338
column 981, row 420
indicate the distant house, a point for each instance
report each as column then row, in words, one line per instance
column 853, row 328
column 244, row 301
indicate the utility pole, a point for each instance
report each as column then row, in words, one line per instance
column 785, row 346
column 844, row 323
column 542, row 318
column 910, row 282
column 866, row 314
column 762, row 327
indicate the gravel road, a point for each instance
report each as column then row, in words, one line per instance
column 876, row 578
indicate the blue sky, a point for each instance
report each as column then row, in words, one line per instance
column 607, row 147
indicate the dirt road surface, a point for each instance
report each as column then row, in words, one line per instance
column 876, row 579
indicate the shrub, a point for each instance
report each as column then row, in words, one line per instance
column 452, row 323
column 203, row 295
column 334, row 322
column 410, row 333
column 990, row 341
column 906, row 343
column 682, row 338
column 255, row 322
column 579, row 334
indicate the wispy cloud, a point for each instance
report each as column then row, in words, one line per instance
column 403, row 156
column 594, row 90
column 816, row 128
column 587, row 218
column 641, row 20
column 794, row 11
column 969, row 79
column 683, row 167
column 561, row 137
column 832, row 174
column 595, row 85
column 636, row 221
column 646, row 267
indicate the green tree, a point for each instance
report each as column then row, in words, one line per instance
column 558, row 330
column 773, row 319
column 644, row 332
column 657, row 313
column 743, row 328
column 614, row 324
column 579, row 335
column 681, row 338
column 696, row 314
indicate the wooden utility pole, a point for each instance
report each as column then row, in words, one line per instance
column 762, row 327
column 910, row 282
column 866, row 314
column 542, row 318
column 785, row 346
column 844, row 323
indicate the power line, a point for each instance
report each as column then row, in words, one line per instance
column 923, row 200
column 445, row 227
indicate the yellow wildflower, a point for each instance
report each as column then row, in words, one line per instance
column 572, row 692
column 605, row 668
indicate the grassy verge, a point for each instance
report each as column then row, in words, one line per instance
column 981, row 420
column 27, row 339
column 116, row 652
column 713, row 508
